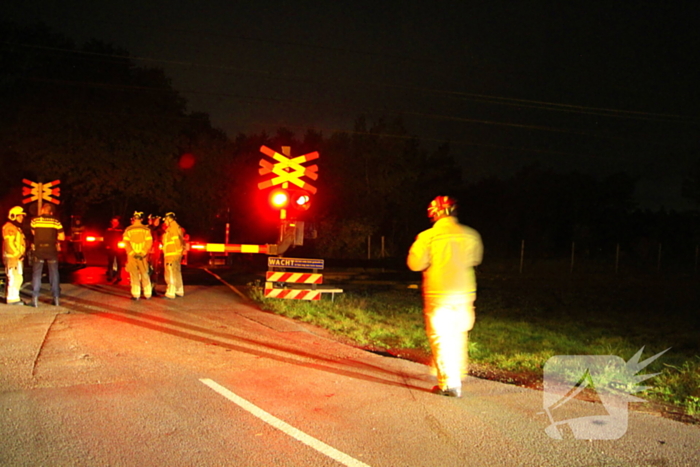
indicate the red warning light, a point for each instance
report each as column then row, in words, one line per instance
column 187, row 161
column 279, row 199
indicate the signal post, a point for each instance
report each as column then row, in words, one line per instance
column 292, row 196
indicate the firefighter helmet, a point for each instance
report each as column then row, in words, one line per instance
column 16, row 211
column 137, row 215
column 170, row 215
column 442, row 206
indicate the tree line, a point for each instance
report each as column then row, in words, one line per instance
column 120, row 138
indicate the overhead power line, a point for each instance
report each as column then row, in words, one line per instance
column 483, row 98
column 378, row 111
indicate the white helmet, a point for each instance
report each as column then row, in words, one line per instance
column 16, row 211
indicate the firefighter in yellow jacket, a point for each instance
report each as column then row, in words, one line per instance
column 447, row 254
column 137, row 243
column 14, row 247
column 173, row 249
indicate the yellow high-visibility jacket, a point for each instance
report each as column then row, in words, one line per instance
column 447, row 254
column 138, row 240
column 14, row 244
column 173, row 241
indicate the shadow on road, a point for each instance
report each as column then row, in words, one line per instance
column 168, row 325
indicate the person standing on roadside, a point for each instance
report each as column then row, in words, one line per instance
column 446, row 254
column 77, row 231
column 155, row 264
column 14, row 247
column 186, row 249
column 112, row 238
column 138, row 242
column 173, row 248
column 48, row 232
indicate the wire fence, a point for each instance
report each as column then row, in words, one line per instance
column 642, row 257
column 638, row 257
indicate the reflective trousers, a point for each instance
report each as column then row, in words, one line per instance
column 38, row 269
column 448, row 319
column 173, row 277
column 138, row 277
column 15, row 277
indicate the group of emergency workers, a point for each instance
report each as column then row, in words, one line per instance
column 142, row 244
column 47, row 233
column 447, row 254
column 142, row 247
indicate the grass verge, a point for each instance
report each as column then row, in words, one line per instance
column 518, row 329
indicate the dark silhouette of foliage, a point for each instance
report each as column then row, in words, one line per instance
column 119, row 138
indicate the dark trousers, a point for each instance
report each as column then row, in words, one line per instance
column 38, row 269
column 113, row 256
column 78, row 252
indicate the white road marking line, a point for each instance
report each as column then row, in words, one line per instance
column 270, row 419
column 241, row 294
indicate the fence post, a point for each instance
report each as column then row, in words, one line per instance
column 383, row 253
column 369, row 247
column 573, row 253
column 522, row 255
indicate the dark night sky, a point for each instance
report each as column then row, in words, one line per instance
column 594, row 86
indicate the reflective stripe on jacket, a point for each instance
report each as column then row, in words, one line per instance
column 14, row 244
column 47, row 231
column 173, row 243
column 447, row 254
column 137, row 240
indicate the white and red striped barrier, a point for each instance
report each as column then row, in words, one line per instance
column 294, row 277
column 306, row 283
column 298, row 294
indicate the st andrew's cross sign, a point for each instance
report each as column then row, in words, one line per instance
column 287, row 169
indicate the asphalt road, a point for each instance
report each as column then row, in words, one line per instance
column 210, row 380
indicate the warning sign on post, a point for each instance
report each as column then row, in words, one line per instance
column 300, row 263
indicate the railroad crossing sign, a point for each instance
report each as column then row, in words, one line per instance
column 288, row 170
column 41, row 191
